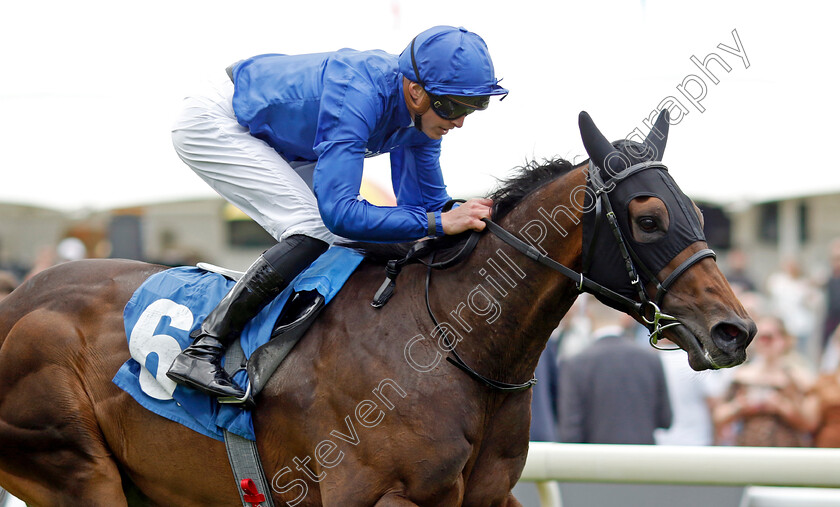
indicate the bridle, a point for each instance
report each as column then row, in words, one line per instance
column 658, row 321
column 645, row 306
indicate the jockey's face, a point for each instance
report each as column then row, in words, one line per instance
column 436, row 127
column 431, row 124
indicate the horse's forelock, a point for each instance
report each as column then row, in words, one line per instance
column 635, row 152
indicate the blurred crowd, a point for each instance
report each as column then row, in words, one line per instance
column 71, row 248
column 602, row 382
column 68, row 249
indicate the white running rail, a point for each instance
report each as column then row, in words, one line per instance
column 652, row 464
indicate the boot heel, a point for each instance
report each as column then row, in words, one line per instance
column 204, row 377
column 181, row 368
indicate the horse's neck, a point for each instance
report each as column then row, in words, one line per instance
column 505, row 305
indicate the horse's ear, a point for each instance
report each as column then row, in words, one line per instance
column 658, row 136
column 599, row 149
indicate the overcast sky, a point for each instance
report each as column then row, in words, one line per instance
column 90, row 88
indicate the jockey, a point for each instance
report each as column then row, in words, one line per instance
column 284, row 139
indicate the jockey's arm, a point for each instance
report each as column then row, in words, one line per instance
column 418, row 180
column 337, row 179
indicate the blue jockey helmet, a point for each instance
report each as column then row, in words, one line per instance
column 450, row 61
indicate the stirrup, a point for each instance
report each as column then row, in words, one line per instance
column 245, row 400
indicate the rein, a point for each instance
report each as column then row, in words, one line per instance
column 455, row 359
column 656, row 324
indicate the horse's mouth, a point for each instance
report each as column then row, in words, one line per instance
column 702, row 353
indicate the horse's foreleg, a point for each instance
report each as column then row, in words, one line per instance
column 52, row 452
column 99, row 484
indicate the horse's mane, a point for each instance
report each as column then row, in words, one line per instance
column 507, row 194
column 525, row 179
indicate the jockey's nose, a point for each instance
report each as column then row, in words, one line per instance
column 459, row 122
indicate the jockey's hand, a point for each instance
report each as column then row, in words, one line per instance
column 466, row 216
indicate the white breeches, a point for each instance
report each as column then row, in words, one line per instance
column 245, row 170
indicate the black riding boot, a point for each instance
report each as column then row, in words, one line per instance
column 199, row 365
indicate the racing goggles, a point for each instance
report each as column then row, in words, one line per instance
column 451, row 107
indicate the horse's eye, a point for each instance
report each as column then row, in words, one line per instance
column 647, row 224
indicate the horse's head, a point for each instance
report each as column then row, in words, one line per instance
column 643, row 238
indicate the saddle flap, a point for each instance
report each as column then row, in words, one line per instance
column 299, row 313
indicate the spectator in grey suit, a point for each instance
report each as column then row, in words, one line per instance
column 614, row 391
column 544, row 399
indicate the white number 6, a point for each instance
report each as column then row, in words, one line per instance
column 144, row 342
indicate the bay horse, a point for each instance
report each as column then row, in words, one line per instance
column 364, row 411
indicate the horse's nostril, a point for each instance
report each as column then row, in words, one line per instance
column 730, row 331
column 731, row 336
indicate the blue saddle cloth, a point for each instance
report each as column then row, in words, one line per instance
column 169, row 305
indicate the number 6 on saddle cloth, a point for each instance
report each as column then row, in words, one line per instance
column 170, row 304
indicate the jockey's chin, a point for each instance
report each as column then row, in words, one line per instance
column 436, row 127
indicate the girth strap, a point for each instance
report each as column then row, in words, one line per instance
column 242, row 453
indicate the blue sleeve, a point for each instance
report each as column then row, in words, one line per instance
column 349, row 109
column 418, row 180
